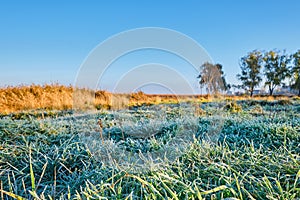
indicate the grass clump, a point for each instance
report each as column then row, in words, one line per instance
column 233, row 107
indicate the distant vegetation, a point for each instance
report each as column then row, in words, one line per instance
column 212, row 77
column 275, row 67
column 59, row 97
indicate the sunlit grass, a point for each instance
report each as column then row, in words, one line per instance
column 59, row 97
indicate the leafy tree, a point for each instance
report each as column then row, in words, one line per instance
column 250, row 76
column 275, row 69
column 213, row 78
column 296, row 71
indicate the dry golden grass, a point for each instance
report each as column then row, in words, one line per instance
column 19, row 98
column 59, row 97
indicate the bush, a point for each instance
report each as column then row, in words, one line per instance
column 233, row 107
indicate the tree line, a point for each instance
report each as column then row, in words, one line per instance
column 276, row 68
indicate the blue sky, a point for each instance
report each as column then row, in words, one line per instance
column 47, row 41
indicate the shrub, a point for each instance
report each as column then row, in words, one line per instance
column 233, row 107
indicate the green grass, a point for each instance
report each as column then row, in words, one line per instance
column 252, row 153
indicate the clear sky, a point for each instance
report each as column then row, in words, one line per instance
column 47, row 41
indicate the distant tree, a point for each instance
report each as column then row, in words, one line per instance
column 275, row 69
column 296, row 71
column 226, row 85
column 213, row 78
column 250, row 76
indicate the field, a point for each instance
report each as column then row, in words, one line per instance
column 59, row 97
column 244, row 149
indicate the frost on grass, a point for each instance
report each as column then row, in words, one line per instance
column 140, row 139
column 217, row 153
column 149, row 137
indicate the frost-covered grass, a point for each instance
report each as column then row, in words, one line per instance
column 242, row 150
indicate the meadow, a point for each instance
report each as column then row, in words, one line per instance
column 159, row 148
